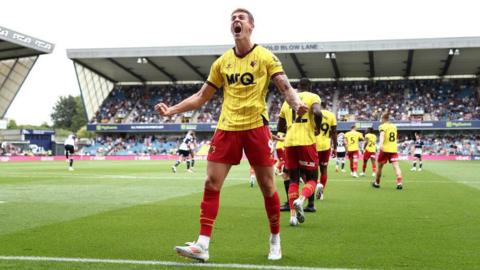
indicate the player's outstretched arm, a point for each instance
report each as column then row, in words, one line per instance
column 290, row 95
column 193, row 102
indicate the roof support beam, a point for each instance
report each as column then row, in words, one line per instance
column 95, row 70
column 128, row 70
column 162, row 70
column 194, row 68
column 9, row 73
column 333, row 60
column 448, row 61
column 298, row 65
column 371, row 64
column 408, row 69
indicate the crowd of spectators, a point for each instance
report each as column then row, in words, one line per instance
column 135, row 145
column 435, row 144
column 407, row 100
column 461, row 144
column 410, row 100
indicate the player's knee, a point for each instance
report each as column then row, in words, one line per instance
column 213, row 184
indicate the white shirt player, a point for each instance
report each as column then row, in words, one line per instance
column 418, row 147
column 185, row 145
column 70, row 140
column 340, row 143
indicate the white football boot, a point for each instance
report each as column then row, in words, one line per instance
column 194, row 251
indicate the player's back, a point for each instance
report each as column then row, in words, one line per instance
column 185, row 145
column 323, row 138
column 353, row 138
column 70, row 140
column 300, row 130
column 371, row 144
column 390, row 137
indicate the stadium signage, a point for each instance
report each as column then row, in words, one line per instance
column 106, row 127
column 205, row 127
column 292, row 47
column 24, row 39
column 450, row 124
column 188, row 127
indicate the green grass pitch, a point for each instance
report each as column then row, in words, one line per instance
column 139, row 210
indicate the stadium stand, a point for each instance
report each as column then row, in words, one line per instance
column 114, row 144
column 352, row 101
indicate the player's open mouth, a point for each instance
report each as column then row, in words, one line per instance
column 237, row 29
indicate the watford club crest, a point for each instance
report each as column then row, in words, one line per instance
column 212, row 149
column 253, row 63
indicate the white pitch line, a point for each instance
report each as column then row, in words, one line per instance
column 163, row 263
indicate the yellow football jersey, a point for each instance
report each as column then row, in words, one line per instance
column 300, row 130
column 353, row 138
column 371, row 144
column 390, row 137
column 323, row 139
column 245, row 82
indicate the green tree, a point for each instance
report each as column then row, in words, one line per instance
column 68, row 113
column 12, row 124
column 83, row 133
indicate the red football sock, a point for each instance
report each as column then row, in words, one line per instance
column 209, row 210
column 292, row 193
column 323, row 180
column 309, row 188
column 355, row 165
column 272, row 206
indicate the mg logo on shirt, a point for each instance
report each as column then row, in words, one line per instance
column 245, row 78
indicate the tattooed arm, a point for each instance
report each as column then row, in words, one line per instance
column 290, row 94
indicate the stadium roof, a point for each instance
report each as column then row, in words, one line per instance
column 317, row 60
column 18, row 54
column 98, row 70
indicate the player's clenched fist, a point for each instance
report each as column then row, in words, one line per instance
column 162, row 109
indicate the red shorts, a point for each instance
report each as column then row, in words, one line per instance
column 228, row 146
column 280, row 154
column 324, row 157
column 384, row 157
column 352, row 154
column 367, row 155
column 304, row 157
